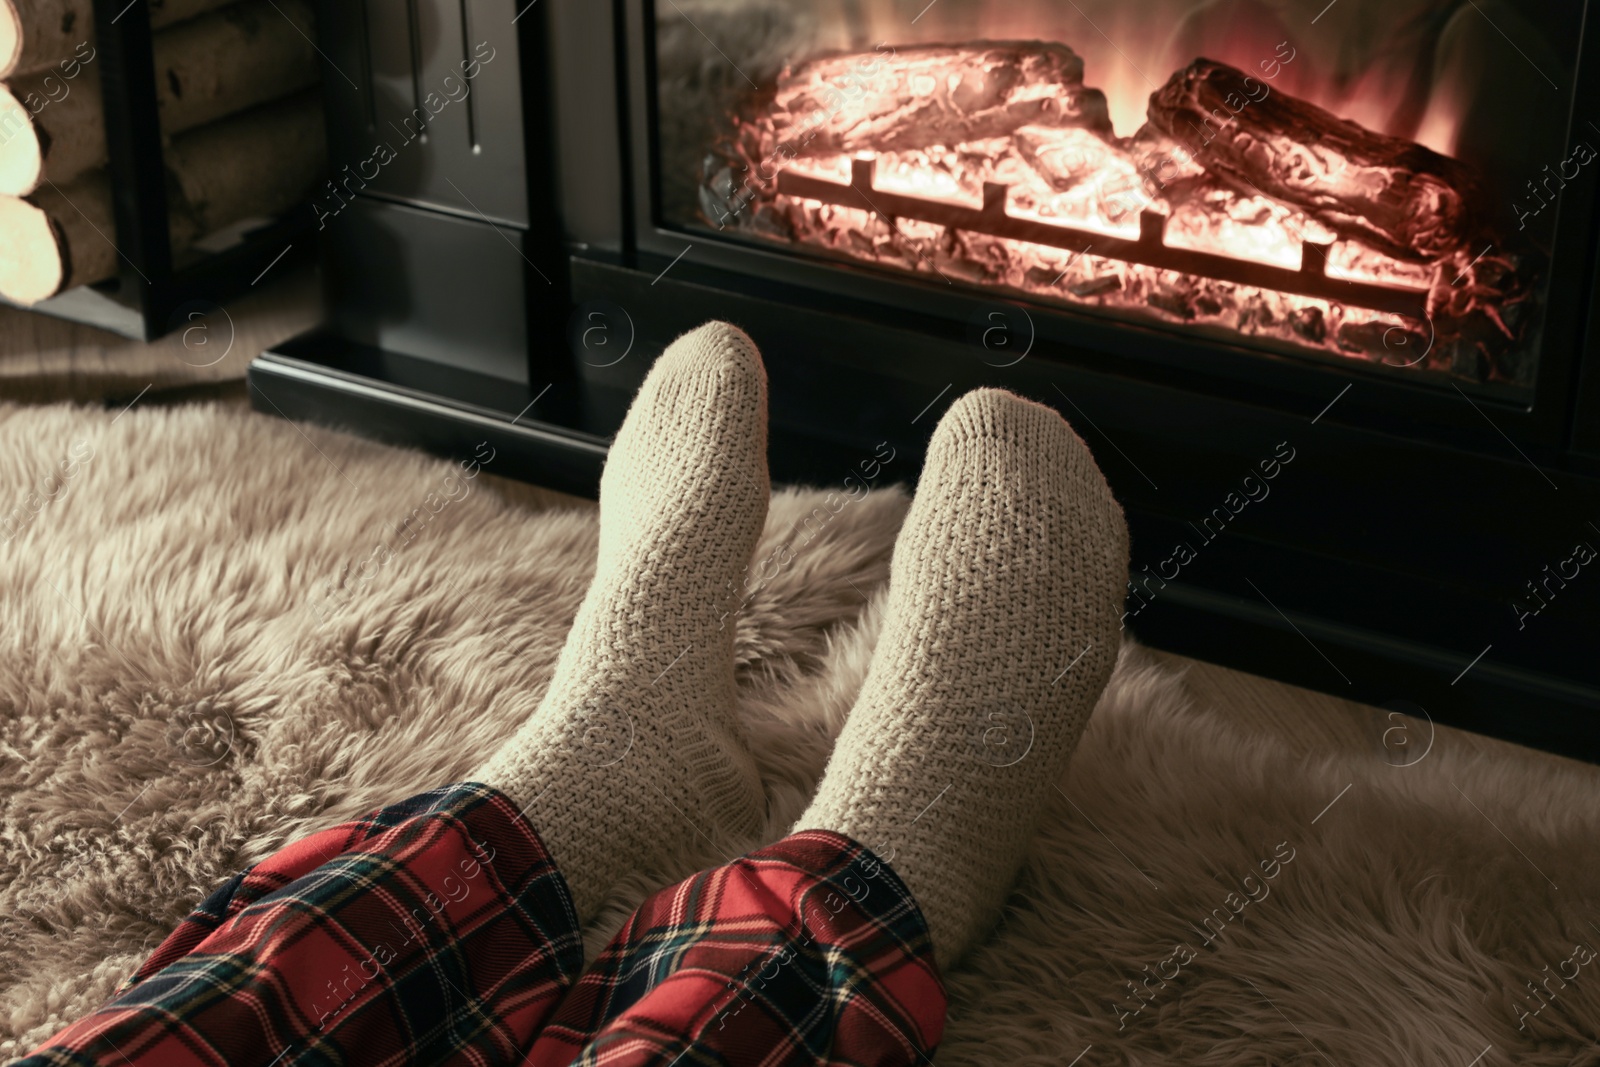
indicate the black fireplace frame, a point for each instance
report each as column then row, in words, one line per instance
column 1382, row 569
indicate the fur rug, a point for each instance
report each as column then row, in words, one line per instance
column 220, row 631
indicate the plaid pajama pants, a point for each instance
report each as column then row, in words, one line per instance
column 438, row 930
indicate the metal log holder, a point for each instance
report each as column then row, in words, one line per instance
column 1150, row 250
column 152, row 296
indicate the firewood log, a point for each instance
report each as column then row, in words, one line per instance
column 56, row 239
column 1392, row 194
column 52, row 126
column 36, row 34
column 236, row 58
column 260, row 163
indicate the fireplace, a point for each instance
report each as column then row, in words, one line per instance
column 1352, row 243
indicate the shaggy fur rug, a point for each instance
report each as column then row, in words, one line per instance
column 220, row 631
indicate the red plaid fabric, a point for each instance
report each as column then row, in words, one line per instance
column 809, row 951
column 438, row 931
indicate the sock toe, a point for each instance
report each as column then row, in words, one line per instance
column 719, row 346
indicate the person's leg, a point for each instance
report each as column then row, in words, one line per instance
column 435, row 928
column 637, row 742
column 1001, row 630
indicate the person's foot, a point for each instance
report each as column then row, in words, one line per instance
column 636, row 744
column 1001, row 631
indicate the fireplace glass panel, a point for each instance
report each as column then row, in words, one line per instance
column 1377, row 180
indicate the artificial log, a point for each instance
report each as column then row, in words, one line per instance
column 260, row 163
column 1392, row 194
column 52, row 126
column 38, row 34
column 890, row 100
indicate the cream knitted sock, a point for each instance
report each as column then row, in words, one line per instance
column 1001, row 631
column 636, row 744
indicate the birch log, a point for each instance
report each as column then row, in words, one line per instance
column 260, row 163
column 52, row 125
column 38, row 34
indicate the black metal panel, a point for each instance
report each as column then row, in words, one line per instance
column 439, row 230
column 429, row 284
column 1586, row 393
column 133, row 138
column 322, row 378
column 1501, row 702
column 590, row 171
column 426, row 105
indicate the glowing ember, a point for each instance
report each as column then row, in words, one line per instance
column 993, row 164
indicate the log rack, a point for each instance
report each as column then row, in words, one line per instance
column 152, row 294
column 1150, row 249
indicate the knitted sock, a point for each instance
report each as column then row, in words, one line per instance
column 636, row 744
column 1000, row 632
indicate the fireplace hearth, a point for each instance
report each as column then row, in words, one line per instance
column 1206, row 231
